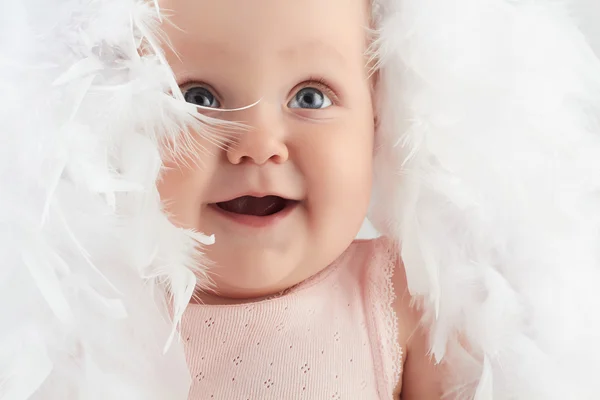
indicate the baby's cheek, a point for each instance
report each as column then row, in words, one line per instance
column 339, row 167
column 167, row 186
column 178, row 197
column 345, row 188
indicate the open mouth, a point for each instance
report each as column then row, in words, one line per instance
column 256, row 206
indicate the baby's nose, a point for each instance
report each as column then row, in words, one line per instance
column 264, row 141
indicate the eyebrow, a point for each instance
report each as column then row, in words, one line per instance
column 316, row 47
column 289, row 54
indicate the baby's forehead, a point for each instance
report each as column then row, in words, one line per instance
column 289, row 28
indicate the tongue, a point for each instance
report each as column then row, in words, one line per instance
column 258, row 206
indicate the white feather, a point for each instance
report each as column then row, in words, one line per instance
column 93, row 270
column 487, row 174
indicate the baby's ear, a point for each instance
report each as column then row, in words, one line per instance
column 374, row 79
column 373, row 86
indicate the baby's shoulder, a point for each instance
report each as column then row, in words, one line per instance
column 419, row 377
column 370, row 264
column 416, row 375
column 386, row 267
column 380, row 250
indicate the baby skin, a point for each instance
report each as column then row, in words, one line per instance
column 286, row 196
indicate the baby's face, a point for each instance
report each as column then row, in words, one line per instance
column 308, row 152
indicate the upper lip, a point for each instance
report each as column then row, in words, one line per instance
column 256, row 194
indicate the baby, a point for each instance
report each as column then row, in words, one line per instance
column 298, row 308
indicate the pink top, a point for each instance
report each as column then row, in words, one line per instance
column 333, row 336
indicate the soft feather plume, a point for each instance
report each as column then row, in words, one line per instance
column 88, row 256
column 586, row 14
column 487, row 174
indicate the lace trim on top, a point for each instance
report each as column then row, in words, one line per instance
column 384, row 318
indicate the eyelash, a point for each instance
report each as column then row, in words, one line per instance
column 321, row 84
column 313, row 81
column 192, row 83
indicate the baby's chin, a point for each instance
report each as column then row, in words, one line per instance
column 256, row 275
column 255, row 264
column 226, row 293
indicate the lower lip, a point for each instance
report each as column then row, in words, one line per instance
column 253, row 220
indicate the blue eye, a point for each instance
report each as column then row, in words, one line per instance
column 310, row 98
column 201, row 96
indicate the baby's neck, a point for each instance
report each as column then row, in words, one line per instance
column 211, row 298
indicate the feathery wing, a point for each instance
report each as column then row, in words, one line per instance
column 88, row 256
column 487, row 173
